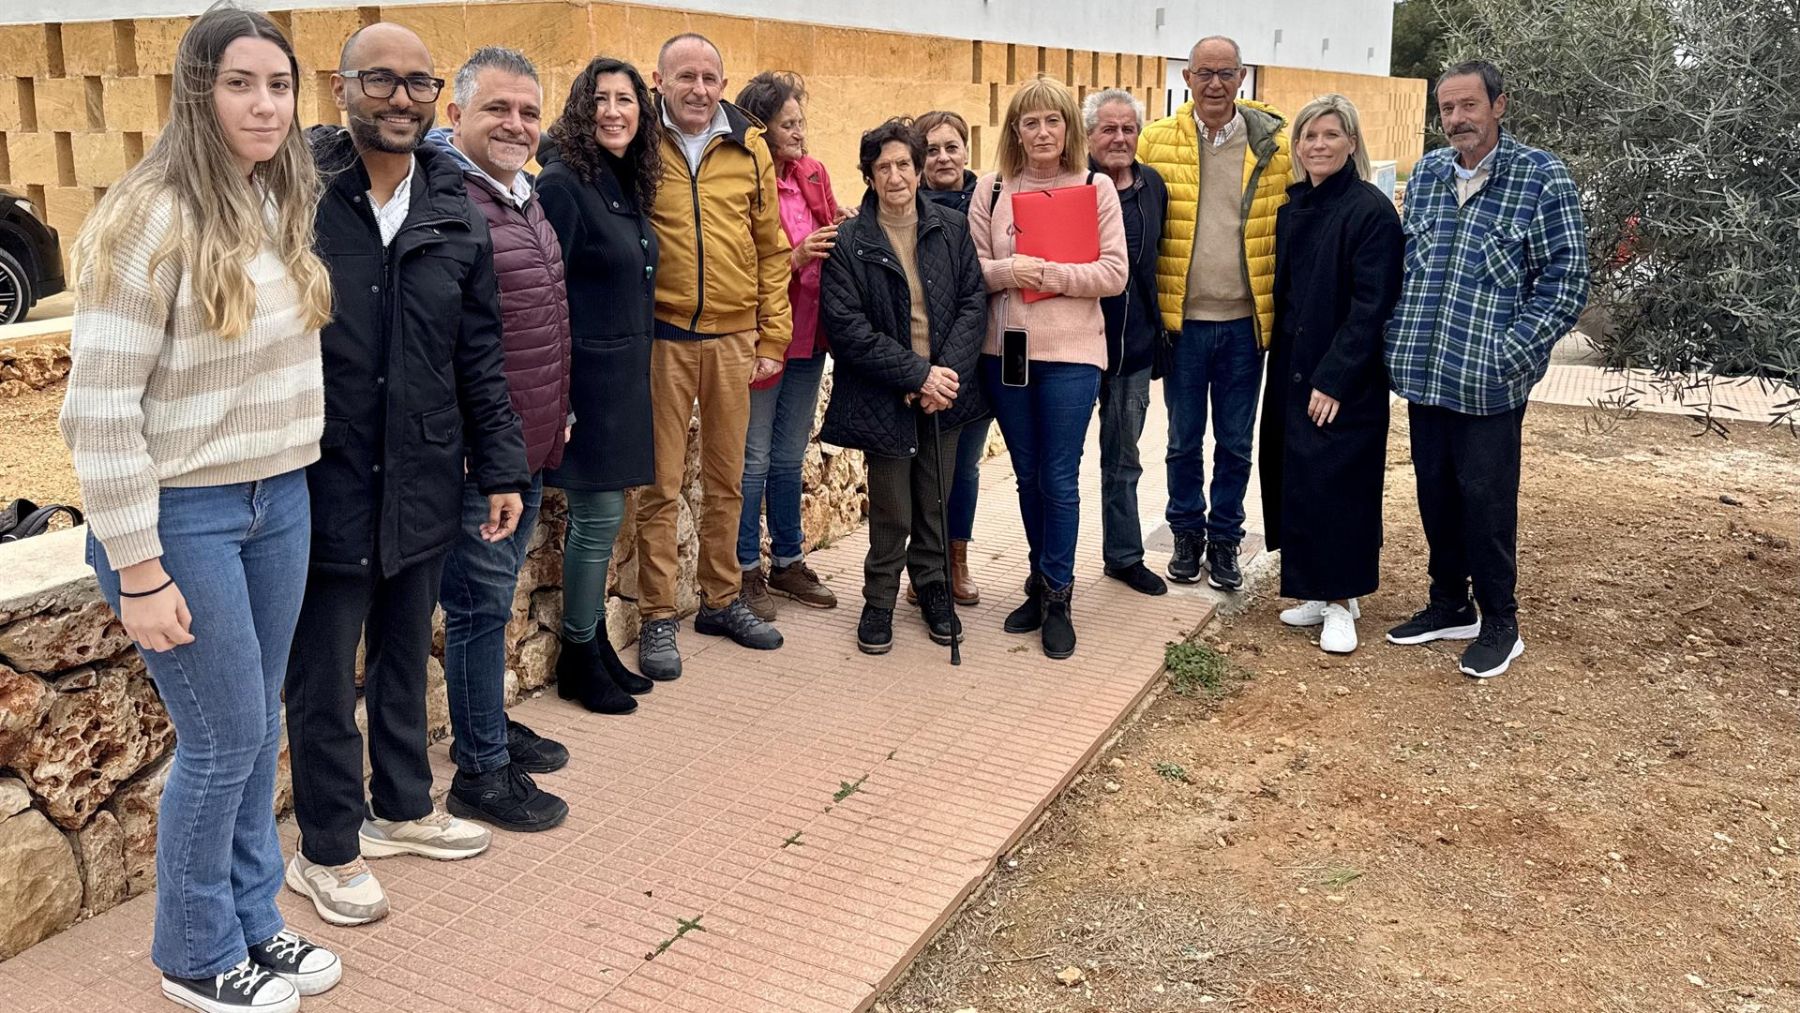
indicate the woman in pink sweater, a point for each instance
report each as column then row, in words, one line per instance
column 1045, row 421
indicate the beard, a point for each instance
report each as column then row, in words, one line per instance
column 366, row 131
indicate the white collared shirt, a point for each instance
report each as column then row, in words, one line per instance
column 1468, row 181
column 390, row 216
column 694, row 145
column 1226, row 132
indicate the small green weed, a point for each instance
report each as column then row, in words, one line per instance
column 1173, row 771
column 1341, row 877
column 1195, row 668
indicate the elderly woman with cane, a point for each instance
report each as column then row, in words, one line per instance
column 905, row 305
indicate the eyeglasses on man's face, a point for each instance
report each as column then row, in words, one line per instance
column 383, row 84
column 1205, row 75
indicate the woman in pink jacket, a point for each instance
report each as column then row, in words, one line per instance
column 782, row 407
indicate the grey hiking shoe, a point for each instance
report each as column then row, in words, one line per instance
column 740, row 624
column 658, row 657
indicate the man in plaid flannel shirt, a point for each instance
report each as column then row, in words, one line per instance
column 1496, row 273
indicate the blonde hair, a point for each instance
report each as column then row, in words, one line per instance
column 220, row 223
column 1345, row 110
column 1043, row 94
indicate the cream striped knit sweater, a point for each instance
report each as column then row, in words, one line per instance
column 156, row 399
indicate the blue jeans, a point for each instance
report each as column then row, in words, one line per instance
column 1045, row 425
column 1124, row 401
column 781, row 421
column 238, row 553
column 1217, row 362
column 594, row 519
column 971, row 445
column 477, row 594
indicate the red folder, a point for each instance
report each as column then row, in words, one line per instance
column 1061, row 225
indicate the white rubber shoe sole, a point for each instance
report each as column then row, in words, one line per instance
column 1518, row 648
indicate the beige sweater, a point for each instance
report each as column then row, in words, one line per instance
column 903, row 232
column 1218, row 288
column 156, row 399
column 1070, row 328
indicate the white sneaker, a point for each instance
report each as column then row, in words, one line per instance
column 245, row 988
column 1339, row 634
column 306, row 965
column 1312, row 613
column 343, row 894
column 438, row 835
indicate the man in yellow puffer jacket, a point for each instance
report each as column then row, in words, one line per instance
column 1225, row 161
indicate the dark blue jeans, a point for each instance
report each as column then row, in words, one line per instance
column 480, row 578
column 238, row 554
column 1045, row 424
column 1217, row 363
column 971, row 444
column 781, row 422
column 1124, row 402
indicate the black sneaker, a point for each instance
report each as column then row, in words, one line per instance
column 740, row 624
column 245, row 988
column 1138, row 577
column 1222, row 566
column 1437, row 622
column 506, row 798
column 1029, row 616
column 1494, row 650
column 940, row 619
column 532, row 752
column 875, row 630
column 1184, row 565
column 309, row 967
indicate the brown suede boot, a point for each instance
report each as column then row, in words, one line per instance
column 962, row 586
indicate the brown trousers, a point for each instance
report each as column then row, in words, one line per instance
column 716, row 371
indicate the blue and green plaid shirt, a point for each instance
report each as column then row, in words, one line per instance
column 1489, row 286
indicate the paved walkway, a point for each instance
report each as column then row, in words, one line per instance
column 814, row 814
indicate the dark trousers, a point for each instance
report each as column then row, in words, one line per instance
column 1124, row 403
column 906, row 528
column 1467, row 468
column 1217, row 364
column 325, row 748
column 1045, row 424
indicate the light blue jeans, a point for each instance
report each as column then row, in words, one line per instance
column 781, row 423
column 238, row 554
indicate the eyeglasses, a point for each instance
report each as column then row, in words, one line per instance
column 1227, row 75
column 383, row 84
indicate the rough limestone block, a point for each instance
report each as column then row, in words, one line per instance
column 64, row 640
column 156, row 40
column 645, row 30
column 68, row 207
column 89, row 47
column 786, row 45
column 319, row 36
column 62, row 104
column 26, row 54
column 552, row 34
column 131, row 104
column 40, row 886
column 33, row 158
column 15, row 798
column 537, row 660
column 134, row 806
column 24, row 700
column 100, row 853
column 10, row 118
column 444, row 28
column 100, row 158
column 91, row 742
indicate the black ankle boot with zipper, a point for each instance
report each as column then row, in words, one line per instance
column 1059, row 625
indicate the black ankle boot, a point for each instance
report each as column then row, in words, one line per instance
column 1059, row 625
column 615, row 669
column 1029, row 616
column 579, row 667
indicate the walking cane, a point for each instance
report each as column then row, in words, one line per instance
column 937, row 435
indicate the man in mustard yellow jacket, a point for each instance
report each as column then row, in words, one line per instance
column 722, row 323
column 1225, row 160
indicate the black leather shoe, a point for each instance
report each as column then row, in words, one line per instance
column 532, row 752
column 1222, row 566
column 1059, row 627
column 940, row 619
column 507, row 798
column 875, row 630
column 1184, row 565
column 1138, row 577
column 1029, row 616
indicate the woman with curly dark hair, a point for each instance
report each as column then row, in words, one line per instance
column 601, row 165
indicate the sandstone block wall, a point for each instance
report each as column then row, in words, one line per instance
column 1392, row 108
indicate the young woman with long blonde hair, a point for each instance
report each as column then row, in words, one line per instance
column 194, row 404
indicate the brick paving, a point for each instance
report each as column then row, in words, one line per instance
column 725, row 803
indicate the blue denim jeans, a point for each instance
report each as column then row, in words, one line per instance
column 238, row 554
column 971, row 444
column 781, row 421
column 479, row 580
column 594, row 519
column 1045, row 424
column 1124, row 402
column 1217, row 363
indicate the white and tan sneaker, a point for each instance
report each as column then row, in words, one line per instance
column 345, row 894
column 1339, row 634
column 1312, row 613
column 438, row 835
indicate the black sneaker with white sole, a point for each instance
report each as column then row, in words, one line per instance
column 246, row 988
column 1184, row 565
column 1437, row 622
column 1222, row 572
column 306, row 965
column 1493, row 651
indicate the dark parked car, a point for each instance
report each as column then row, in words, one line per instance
column 30, row 258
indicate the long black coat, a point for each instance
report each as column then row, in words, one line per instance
column 413, row 368
column 866, row 307
column 1338, row 250
column 610, row 254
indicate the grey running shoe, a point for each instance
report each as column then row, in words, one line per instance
column 740, row 624
column 658, row 657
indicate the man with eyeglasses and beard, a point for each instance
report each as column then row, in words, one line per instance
column 414, row 394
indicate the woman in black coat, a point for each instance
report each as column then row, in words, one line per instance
column 1338, row 250
column 904, row 302
column 601, row 165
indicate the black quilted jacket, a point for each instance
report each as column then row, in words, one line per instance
column 865, row 306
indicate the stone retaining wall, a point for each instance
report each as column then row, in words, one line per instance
column 85, row 743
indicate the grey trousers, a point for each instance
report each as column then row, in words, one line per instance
column 1124, row 401
column 906, row 528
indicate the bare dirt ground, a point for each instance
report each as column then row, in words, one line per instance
column 34, row 463
column 1611, row 826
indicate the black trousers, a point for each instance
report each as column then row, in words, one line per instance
column 906, row 528
column 392, row 616
column 1467, row 468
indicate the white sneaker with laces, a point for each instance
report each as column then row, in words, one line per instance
column 438, row 835
column 1339, row 634
column 1312, row 613
column 345, row 894
column 245, row 988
